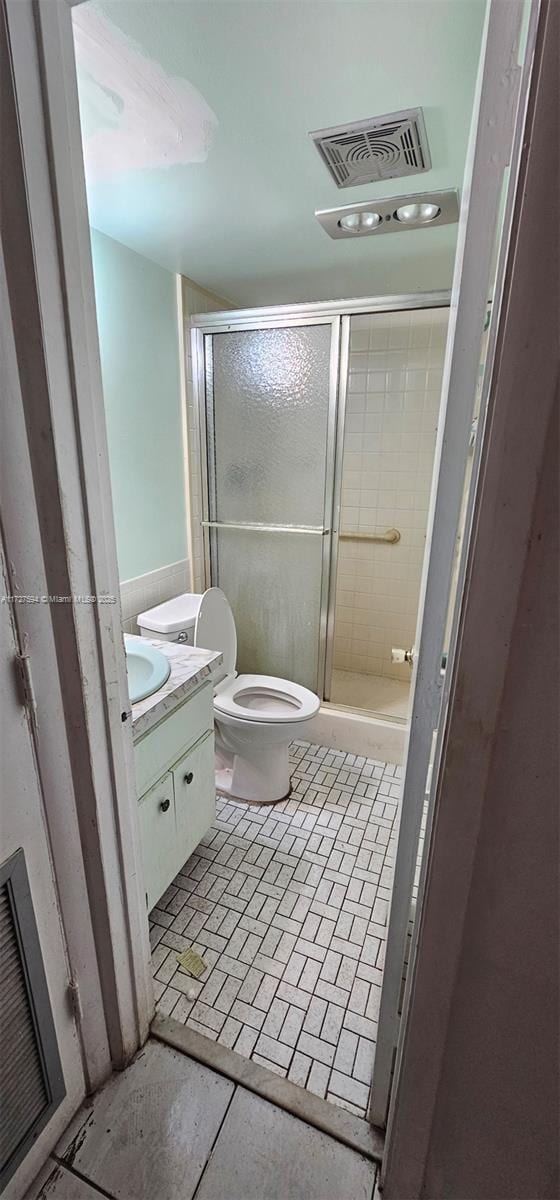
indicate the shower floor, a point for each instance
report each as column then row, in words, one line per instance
column 288, row 906
column 375, row 693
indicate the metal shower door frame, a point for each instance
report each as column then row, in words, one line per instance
column 202, row 346
column 338, row 314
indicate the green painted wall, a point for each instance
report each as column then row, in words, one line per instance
column 137, row 321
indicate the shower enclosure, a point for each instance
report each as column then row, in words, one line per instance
column 317, row 428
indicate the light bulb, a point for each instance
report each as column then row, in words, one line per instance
column 417, row 214
column 359, row 222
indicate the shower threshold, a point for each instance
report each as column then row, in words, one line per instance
column 377, row 695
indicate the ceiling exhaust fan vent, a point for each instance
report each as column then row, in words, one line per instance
column 384, row 147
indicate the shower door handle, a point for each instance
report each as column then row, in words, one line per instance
column 317, row 530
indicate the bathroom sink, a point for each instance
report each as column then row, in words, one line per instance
column 147, row 668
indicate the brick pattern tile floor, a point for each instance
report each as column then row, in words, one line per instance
column 288, row 906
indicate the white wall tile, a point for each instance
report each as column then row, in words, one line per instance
column 196, row 300
column 147, row 590
column 394, row 383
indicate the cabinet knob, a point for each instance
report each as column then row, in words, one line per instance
column 164, row 805
column 188, row 778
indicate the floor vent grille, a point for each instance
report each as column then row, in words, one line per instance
column 31, row 1080
column 386, row 147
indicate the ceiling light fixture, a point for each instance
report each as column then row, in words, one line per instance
column 417, row 214
column 396, row 214
column 359, row 222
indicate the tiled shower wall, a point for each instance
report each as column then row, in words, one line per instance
column 195, row 300
column 394, row 385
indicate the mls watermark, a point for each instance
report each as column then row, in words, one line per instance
column 75, row 598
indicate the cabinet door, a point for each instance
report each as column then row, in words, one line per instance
column 155, row 752
column 195, row 795
column 158, row 836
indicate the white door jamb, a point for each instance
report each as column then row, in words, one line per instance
column 496, row 118
column 71, row 478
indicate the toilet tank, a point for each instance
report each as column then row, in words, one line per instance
column 172, row 621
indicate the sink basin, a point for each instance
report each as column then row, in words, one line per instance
column 147, row 668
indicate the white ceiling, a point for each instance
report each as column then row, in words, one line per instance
column 240, row 220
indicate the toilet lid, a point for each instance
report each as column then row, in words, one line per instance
column 215, row 627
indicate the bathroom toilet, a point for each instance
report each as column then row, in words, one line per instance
column 256, row 716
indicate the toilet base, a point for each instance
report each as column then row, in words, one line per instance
column 223, row 787
column 262, row 776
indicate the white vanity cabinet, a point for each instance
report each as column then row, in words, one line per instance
column 174, row 763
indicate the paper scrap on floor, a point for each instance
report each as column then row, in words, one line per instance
column 190, row 961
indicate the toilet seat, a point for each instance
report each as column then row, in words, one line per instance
column 255, row 716
column 262, row 699
column 266, row 699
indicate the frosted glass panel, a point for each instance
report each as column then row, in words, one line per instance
column 268, row 399
column 273, row 583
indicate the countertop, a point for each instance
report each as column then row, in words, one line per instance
column 189, row 668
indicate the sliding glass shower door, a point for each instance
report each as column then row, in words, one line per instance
column 270, row 422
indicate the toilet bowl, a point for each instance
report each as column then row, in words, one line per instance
column 256, row 716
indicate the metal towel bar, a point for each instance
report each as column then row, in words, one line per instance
column 362, row 535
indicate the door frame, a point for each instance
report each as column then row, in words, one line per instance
column 56, row 212
column 495, row 144
column 58, row 896
column 469, row 929
column 69, row 497
column 336, row 313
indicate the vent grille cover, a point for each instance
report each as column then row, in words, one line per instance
column 30, row 1074
column 382, row 148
